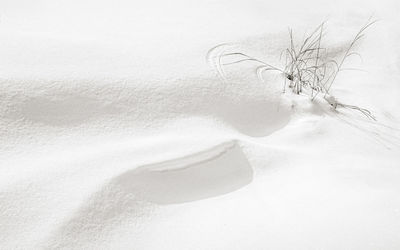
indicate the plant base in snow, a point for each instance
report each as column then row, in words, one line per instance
column 308, row 68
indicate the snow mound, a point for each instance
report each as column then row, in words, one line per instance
column 220, row 170
column 115, row 133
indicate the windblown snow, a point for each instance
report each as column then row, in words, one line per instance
column 115, row 132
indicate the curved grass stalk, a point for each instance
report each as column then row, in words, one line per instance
column 306, row 66
column 348, row 52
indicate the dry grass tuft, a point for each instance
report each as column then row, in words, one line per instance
column 308, row 68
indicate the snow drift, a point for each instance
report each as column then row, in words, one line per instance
column 115, row 133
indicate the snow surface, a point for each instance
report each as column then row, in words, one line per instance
column 115, row 133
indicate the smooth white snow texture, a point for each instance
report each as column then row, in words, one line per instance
column 115, row 132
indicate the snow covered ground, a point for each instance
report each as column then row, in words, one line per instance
column 115, row 133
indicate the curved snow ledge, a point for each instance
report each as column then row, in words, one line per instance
column 219, row 170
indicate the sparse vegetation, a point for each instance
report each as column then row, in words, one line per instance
column 308, row 67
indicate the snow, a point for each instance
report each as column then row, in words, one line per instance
column 115, row 133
